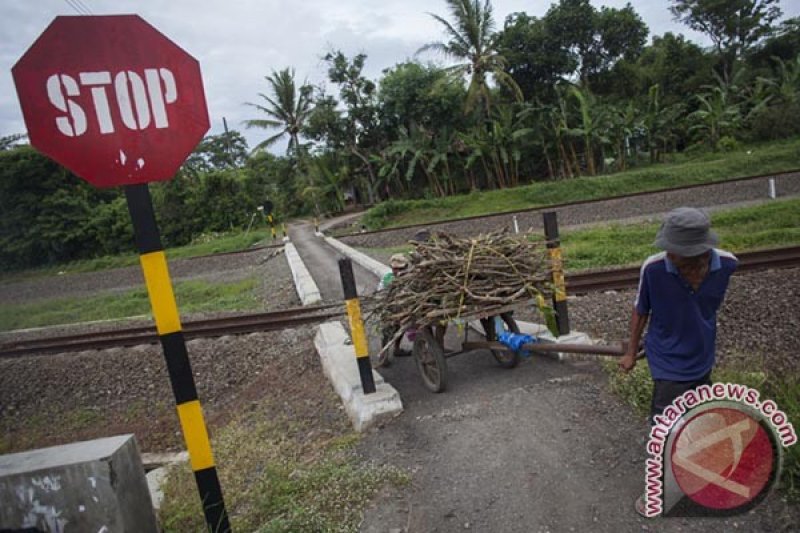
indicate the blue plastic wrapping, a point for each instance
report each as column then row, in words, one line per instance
column 515, row 341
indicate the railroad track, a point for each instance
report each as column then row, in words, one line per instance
column 553, row 207
column 625, row 278
column 578, row 283
column 215, row 327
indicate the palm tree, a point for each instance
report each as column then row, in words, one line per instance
column 471, row 42
column 288, row 110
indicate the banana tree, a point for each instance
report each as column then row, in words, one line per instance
column 785, row 87
column 592, row 125
column 413, row 148
column 624, row 122
column 715, row 117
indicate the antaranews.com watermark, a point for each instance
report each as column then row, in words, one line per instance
column 723, row 454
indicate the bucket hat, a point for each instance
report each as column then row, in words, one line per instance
column 398, row 261
column 686, row 231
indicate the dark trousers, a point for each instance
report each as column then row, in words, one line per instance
column 664, row 392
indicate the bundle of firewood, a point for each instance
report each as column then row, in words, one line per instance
column 451, row 278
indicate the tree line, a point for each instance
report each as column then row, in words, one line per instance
column 577, row 91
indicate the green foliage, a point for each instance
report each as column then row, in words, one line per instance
column 702, row 168
column 286, row 109
column 733, row 26
column 218, row 152
column 48, row 214
column 785, row 390
column 470, row 40
column 634, row 388
column 728, row 144
column 204, row 244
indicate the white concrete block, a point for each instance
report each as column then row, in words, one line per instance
column 306, row 288
column 339, row 364
column 155, row 480
column 96, row 485
column 374, row 266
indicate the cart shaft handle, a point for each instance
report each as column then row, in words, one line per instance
column 617, row 351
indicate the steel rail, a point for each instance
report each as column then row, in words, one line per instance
column 552, row 207
column 214, row 327
column 625, row 278
column 577, row 283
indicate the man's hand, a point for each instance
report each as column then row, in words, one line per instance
column 628, row 361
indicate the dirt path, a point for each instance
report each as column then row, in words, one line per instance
column 543, row 447
column 322, row 262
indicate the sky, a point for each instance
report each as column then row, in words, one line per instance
column 239, row 42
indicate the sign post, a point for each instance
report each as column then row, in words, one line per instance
column 116, row 102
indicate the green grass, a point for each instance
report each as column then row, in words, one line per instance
column 203, row 245
column 743, row 229
column 274, row 482
column 192, row 296
column 764, row 226
column 685, row 170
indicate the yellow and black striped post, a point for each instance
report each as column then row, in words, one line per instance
column 316, row 225
column 271, row 225
column 357, row 333
column 168, row 325
column 283, row 227
column 557, row 266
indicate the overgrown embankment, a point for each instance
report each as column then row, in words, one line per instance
column 685, row 170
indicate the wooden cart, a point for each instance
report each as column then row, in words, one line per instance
column 431, row 357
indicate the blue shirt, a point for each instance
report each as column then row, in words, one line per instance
column 683, row 322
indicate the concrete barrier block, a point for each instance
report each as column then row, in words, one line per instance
column 338, row 359
column 96, row 486
column 374, row 266
column 305, row 285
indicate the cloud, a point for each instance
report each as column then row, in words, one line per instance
column 241, row 41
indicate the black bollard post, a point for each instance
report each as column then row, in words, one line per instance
column 557, row 265
column 357, row 333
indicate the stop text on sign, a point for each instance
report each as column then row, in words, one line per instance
column 112, row 99
column 142, row 100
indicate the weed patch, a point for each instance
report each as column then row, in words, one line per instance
column 275, row 480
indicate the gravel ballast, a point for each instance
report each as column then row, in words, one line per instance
column 650, row 206
column 758, row 319
column 52, row 399
column 49, row 400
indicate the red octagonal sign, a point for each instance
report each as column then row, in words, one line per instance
column 112, row 99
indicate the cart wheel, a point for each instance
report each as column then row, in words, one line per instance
column 429, row 355
column 505, row 358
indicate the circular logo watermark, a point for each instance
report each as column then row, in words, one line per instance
column 716, row 449
column 724, row 458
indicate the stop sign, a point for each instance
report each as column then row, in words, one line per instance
column 112, row 99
